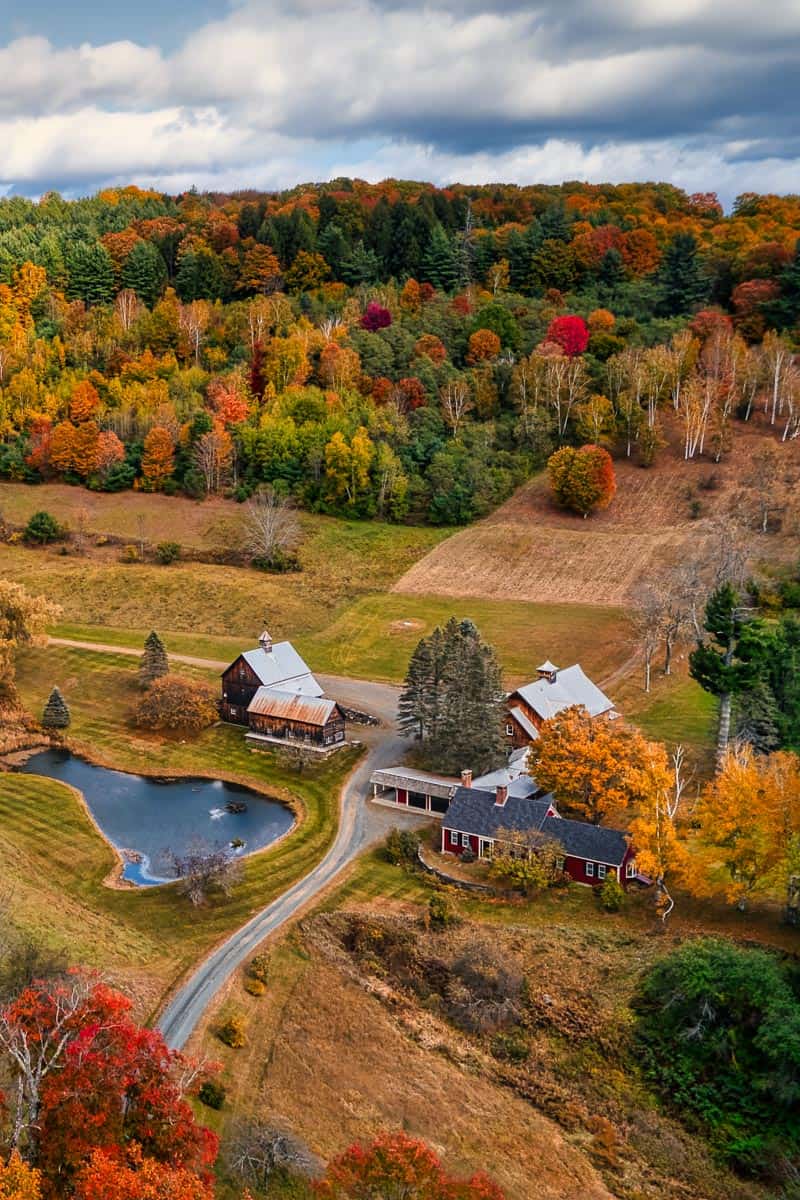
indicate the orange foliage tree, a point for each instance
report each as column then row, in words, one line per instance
column 432, row 347
column 18, row 1181
column 110, row 1175
column 62, row 447
column 395, row 1165
column 84, row 453
column 84, row 402
column 158, row 460
column 593, row 767
column 582, row 479
column 484, row 344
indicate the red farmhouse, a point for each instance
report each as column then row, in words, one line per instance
column 477, row 820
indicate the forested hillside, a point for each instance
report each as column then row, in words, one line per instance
column 392, row 349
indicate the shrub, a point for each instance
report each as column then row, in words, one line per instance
column 258, row 967
column 43, row 528
column 440, row 911
column 254, row 987
column 167, row 552
column 612, row 893
column 401, row 846
column 511, row 1047
column 232, row 1032
column 129, row 554
column 279, row 563
column 717, row 1034
column 176, row 703
column 212, row 1094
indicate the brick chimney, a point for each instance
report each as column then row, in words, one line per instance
column 500, row 796
column 466, row 779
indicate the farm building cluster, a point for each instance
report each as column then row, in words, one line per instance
column 478, row 814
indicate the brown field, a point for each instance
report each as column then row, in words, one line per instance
column 529, row 550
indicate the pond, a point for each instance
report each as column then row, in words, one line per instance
column 144, row 818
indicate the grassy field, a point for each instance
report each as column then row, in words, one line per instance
column 51, row 850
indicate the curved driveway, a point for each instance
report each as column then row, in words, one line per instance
column 359, row 825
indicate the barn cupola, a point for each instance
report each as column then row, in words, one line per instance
column 265, row 642
column 547, row 671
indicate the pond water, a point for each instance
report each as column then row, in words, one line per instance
column 146, row 817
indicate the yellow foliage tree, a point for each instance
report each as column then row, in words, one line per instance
column 23, row 621
column 594, row 768
column 18, row 1181
column 660, row 853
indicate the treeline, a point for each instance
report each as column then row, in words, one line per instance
column 391, row 350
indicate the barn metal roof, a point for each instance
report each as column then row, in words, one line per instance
column 526, row 724
column 570, row 686
column 282, row 667
column 289, row 706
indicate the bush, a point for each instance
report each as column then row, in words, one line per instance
column 168, row 552
column 258, row 968
column 612, row 893
column 129, row 554
column 279, row 563
column 511, row 1047
column 176, row 703
column 232, row 1032
column 43, row 528
column 717, row 1034
column 440, row 911
column 582, row 479
column 212, row 1094
column 254, row 987
column 401, row 846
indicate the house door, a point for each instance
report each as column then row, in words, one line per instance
column 485, row 849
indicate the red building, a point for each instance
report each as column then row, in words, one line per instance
column 477, row 820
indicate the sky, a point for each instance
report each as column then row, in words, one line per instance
column 270, row 93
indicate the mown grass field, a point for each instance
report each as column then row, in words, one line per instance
column 51, row 850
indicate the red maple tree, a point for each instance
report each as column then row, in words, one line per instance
column 571, row 333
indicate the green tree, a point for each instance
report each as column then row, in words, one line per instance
column 439, row 263
column 756, row 719
column 91, row 273
column 56, row 712
column 682, row 284
column 154, row 662
column 716, row 663
column 145, row 272
column 43, row 528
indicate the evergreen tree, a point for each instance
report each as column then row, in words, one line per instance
column 716, row 663
column 453, row 700
column 154, row 663
column 200, row 276
column 362, row 266
column 56, row 712
column 439, row 265
column 145, row 272
column 682, row 284
column 91, row 274
column 784, row 311
column 555, row 223
column 756, row 718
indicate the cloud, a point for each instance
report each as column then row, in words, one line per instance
column 279, row 90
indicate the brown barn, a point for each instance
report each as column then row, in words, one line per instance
column 550, row 693
column 272, row 692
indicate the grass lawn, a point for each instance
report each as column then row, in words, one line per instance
column 375, row 636
column 51, row 849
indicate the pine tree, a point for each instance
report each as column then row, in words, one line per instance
column 681, row 281
column 439, row 265
column 145, row 272
column 91, row 274
column 716, row 663
column 154, row 662
column 56, row 712
column 756, row 718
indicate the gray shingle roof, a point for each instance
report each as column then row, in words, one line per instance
column 594, row 843
column 473, row 810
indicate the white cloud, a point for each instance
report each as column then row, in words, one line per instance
column 280, row 90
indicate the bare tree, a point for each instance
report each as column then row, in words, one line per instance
column 456, row 402
column 270, row 525
column 761, row 480
column 204, row 869
column 648, row 620
column 257, row 1149
column 127, row 306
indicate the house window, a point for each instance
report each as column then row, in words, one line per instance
column 509, row 729
column 589, row 870
column 465, row 841
column 559, row 864
column 630, row 869
column 601, row 870
column 453, row 838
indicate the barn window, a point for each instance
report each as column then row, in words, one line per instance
column 601, row 870
column 509, row 730
column 630, row 869
column 234, row 711
column 590, row 869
